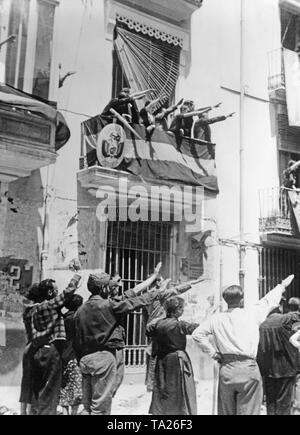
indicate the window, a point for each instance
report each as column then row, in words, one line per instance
column 43, row 56
column 290, row 30
column 119, row 78
column 143, row 62
column 28, row 60
column 16, row 52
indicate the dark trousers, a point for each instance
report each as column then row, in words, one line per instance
column 120, row 370
column 47, row 374
column 279, row 395
column 99, row 371
column 26, row 395
column 240, row 388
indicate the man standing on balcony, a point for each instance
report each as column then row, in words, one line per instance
column 236, row 337
column 202, row 130
column 290, row 175
column 125, row 105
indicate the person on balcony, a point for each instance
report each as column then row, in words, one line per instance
column 161, row 115
column 147, row 116
column 202, row 130
column 182, row 123
column 125, row 105
column 290, row 175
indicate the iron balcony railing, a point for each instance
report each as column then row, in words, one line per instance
column 276, row 79
column 276, row 211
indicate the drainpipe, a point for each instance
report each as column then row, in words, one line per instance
column 45, row 231
column 242, row 251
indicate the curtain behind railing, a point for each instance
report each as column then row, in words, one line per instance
column 147, row 62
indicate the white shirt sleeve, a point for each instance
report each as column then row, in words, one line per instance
column 201, row 336
column 295, row 340
column 268, row 303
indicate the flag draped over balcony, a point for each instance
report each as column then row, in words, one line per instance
column 157, row 159
column 12, row 97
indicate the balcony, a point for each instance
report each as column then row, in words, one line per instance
column 276, row 79
column 27, row 142
column 277, row 221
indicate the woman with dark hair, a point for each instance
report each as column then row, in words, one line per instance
column 174, row 391
column 71, row 391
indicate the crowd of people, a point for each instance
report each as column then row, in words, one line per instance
column 75, row 351
column 155, row 116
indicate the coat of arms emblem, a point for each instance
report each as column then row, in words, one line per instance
column 111, row 146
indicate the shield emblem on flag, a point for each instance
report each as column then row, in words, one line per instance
column 111, row 146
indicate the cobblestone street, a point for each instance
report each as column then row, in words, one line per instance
column 131, row 399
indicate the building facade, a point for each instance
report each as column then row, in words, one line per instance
column 228, row 52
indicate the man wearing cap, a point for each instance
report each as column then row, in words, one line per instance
column 235, row 335
column 202, row 130
column 125, row 105
column 99, row 335
column 182, row 123
column 278, row 359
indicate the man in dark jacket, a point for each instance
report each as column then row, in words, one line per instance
column 99, row 335
column 125, row 105
column 278, row 360
column 202, row 130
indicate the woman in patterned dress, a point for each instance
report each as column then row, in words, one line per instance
column 71, row 391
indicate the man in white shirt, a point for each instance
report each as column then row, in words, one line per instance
column 236, row 337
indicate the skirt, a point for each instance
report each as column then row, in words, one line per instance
column 71, row 393
column 174, row 390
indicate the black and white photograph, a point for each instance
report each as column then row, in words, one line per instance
column 149, row 210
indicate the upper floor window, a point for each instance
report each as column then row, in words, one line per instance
column 28, row 61
column 290, row 30
column 43, row 55
column 143, row 61
column 16, row 53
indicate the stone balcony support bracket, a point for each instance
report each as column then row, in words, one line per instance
column 27, row 143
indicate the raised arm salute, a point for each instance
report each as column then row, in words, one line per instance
column 235, row 335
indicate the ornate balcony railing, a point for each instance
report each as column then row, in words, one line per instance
column 276, row 212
